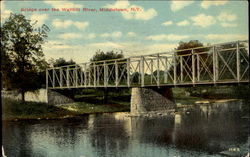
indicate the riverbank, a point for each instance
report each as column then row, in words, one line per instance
column 91, row 101
column 14, row 110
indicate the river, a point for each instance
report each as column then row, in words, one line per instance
column 202, row 131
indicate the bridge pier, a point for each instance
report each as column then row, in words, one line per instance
column 56, row 97
column 144, row 100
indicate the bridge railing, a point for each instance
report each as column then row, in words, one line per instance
column 214, row 64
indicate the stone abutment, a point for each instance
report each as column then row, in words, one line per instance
column 145, row 100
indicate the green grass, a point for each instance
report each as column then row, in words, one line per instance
column 82, row 107
column 13, row 109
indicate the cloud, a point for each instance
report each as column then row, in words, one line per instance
column 225, row 24
column 63, row 4
column 40, row 18
column 178, row 5
column 119, row 4
column 133, row 48
column 55, row 49
column 90, row 36
column 142, row 14
column 70, row 36
column 112, row 35
column 116, row 34
column 131, row 34
column 203, row 20
column 169, row 37
column 226, row 37
column 57, row 23
column 167, row 23
column 105, row 45
column 206, row 4
column 161, row 47
column 56, row 45
column 183, row 23
column 227, row 19
column 5, row 13
column 81, row 25
column 105, row 35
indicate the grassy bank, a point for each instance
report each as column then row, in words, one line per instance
column 92, row 101
column 16, row 110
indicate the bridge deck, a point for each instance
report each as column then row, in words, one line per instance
column 226, row 63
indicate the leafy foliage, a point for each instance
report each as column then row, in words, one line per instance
column 62, row 62
column 188, row 45
column 24, row 61
column 184, row 50
column 100, row 55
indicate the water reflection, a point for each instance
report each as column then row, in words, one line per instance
column 108, row 135
column 200, row 131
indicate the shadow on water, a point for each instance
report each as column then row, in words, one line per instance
column 199, row 131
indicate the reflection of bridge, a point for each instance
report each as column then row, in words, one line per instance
column 217, row 64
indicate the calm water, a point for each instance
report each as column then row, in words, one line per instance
column 203, row 131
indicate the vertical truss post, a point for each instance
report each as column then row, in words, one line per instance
column 76, row 77
column 198, row 67
column 98, row 75
column 67, row 76
column 94, row 74
column 89, row 76
column 166, row 71
column 85, row 75
column 238, row 61
column 193, row 66
column 53, row 78
column 116, row 74
column 181, row 62
column 158, row 70
column 142, row 71
column 139, row 64
column 81, row 75
column 61, row 77
column 105, row 74
column 151, row 70
column 47, row 79
column 215, row 65
column 128, row 72
column 174, row 58
column 247, row 63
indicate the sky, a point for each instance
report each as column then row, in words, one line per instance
column 150, row 27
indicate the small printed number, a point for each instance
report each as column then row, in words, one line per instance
column 234, row 149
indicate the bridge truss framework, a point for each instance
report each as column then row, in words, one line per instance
column 220, row 63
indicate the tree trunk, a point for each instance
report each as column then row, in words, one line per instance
column 23, row 97
column 105, row 95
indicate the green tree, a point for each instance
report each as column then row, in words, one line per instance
column 184, row 50
column 100, row 56
column 229, row 55
column 109, row 57
column 22, row 45
column 6, row 66
column 62, row 62
column 188, row 45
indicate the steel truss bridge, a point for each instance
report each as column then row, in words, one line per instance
column 223, row 63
